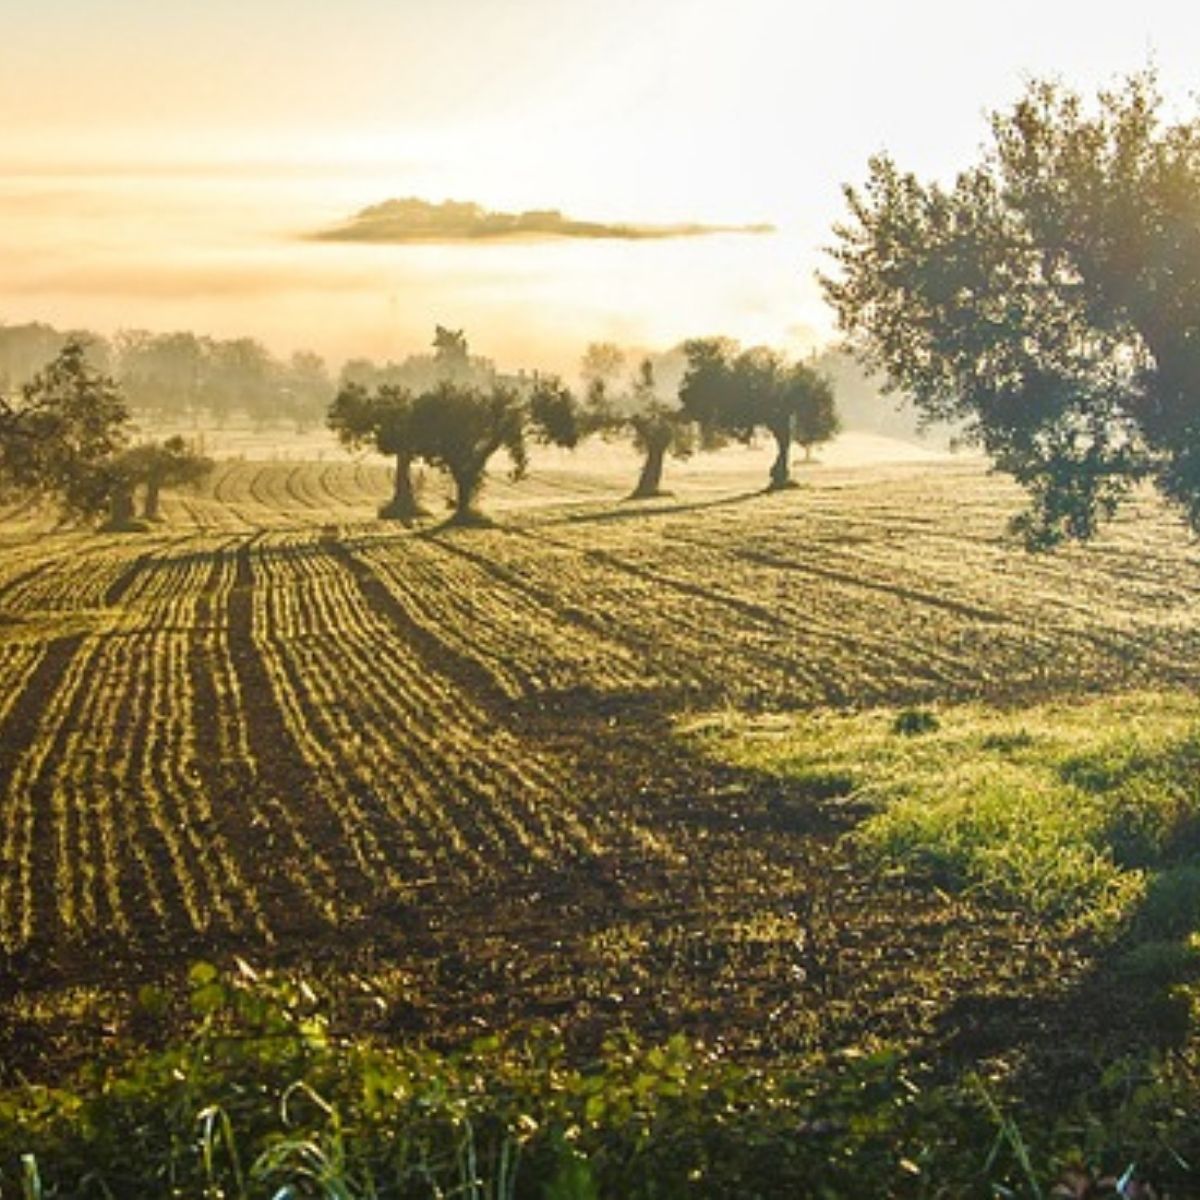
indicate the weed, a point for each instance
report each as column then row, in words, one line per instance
column 911, row 722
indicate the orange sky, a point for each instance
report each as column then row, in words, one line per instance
column 291, row 112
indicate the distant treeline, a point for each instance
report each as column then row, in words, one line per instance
column 184, row 377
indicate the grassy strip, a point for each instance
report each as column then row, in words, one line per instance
column 1087, row 812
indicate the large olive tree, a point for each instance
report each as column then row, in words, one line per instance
column 1048, row 299
column 460, row 427
column 656, row 427
column 383, row 420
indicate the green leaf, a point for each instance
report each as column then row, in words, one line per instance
column 201, row 973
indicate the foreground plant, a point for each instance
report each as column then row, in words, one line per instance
column 263, row 1098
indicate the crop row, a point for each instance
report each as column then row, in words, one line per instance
column 817, row 597
column 525, row 640
column 421, row 783
column 290, row 726
column 68, row 573
column 252, row 495
column 108, row 822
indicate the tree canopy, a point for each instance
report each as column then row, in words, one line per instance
column 734, row 393
column 1049, row 299
column 450, row 352
column 63, row 428
column 66, row 437
column 383, row 421
column 181, row 375
column 460, row 427
column 456, row 419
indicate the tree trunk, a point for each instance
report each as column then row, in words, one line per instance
column 120, row 510
column 650, row 483
column 150, row 506
column 403, row 505
column 466, row 488
column 781, row 475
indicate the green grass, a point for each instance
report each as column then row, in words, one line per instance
column 1085, row 811
column 258, row 1099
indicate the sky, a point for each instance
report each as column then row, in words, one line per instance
column 161, row 158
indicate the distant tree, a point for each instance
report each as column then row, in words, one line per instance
column 706, row 389
column 360, row 371
column 450, row 353
column 816, row 421
column 451, row 361
column 163, row 373
column 1049, row 300
column 460, row 427
column 656, row 427
column 602, row 363
column 736, row 394
column 242, row 376
column 555, row 416
column 307, row 388
column 383, row 420
column 60, row 432
column 25, row 350
column 111, row 486
column 158, row 465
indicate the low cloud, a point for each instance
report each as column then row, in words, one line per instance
column 414, row 220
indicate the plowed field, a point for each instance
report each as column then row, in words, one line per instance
column 279, row 727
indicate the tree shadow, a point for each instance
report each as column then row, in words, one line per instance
column 638, row 508
column 1096, row 1049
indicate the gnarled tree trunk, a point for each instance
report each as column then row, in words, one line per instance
column 650, row 482
column 150, row 504
column 781, row 474
column 403, row 505
column 468, row 480
column 120, row 511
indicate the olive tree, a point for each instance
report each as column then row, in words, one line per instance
column 460, row 427
column 153, row 466
column 1048, row 299
column 736, row 393
column 62, row 429
column 383, row 420
column 656, row 427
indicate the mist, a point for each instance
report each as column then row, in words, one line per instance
column 229, row 255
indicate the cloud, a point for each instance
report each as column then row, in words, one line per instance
column 415, row 220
